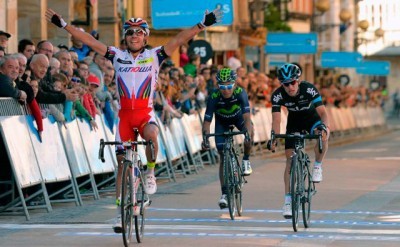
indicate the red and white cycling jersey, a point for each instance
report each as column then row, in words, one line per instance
column 136, row 80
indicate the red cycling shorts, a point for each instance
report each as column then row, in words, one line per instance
column 130, row 119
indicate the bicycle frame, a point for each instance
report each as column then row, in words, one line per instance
column 134, row 200
column 299, row 174
column 232, row 172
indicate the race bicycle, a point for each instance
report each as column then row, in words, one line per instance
column 301, row 186
column 232, row 171
column 134, row 199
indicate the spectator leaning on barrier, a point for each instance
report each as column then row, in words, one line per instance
column 7, row 85
column 306, row 113
column 137, row 97
column 38, row 66
column 10, row 69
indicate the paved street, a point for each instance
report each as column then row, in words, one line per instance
column 357, row 204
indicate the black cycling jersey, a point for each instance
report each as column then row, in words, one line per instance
column 302, row 114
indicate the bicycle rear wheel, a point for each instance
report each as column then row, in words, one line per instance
column 140, row 212
column 230, row 185
column 294, row 188
column 127, row 203
column 308, row 192
column 238, row 186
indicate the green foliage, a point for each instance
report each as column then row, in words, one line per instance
column 273, row 19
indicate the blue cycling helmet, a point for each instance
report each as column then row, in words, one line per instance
column 288, row 73
column 137, row 22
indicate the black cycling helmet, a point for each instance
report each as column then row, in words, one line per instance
column 288, row 73
column 226, row 75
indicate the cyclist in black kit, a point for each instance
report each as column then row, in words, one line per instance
column 306, row 113
column 230, row 105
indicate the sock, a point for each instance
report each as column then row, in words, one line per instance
column 317, row 164
column 150, row 167
column 246, row 157
column 118, row 202
column 288, row 198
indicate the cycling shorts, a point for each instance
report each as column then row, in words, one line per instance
column 130, row 119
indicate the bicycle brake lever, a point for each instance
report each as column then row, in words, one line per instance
column 101, row 151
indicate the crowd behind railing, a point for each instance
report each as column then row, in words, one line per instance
column 83, row 81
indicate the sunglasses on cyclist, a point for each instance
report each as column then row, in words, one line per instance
column 136, row 32
column 226, row 86
column 286, row 84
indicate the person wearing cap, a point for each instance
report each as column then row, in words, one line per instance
column 79, row 47
column 4, row 36
column 136, row 70
column 87, row 98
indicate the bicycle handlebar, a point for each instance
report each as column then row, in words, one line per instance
column 229, row 133
column 298, row 136
column 125, row 144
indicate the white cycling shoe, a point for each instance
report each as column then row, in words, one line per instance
column 246, row 167
column 317, row 174
column 150, row 184
column 287, row 210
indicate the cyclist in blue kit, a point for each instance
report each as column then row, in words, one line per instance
column 230, row 105
column 306, row 113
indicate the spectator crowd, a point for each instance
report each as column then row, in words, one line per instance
column 83, row 83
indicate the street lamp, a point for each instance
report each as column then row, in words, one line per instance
column 363, row 36
column 321, row 7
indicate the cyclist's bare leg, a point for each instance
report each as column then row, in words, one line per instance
column 286, row 175
column 320, row 156
column 150, row 132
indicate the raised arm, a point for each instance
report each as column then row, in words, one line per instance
column 185, row 35
column 86, row 38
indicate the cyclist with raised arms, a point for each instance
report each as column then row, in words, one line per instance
column 136, row 73
column 230, row 105
column 306, row 113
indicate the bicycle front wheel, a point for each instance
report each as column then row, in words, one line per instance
column 239, row 184
column 294, row 189
column 140, row 212
column 127, row 203
column 308, row 192
column 230, row 184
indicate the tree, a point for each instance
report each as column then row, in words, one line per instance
column 273, row 20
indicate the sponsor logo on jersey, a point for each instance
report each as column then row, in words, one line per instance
column 277, row 98
column 144, row 61
column 119, row 60
column 135, row 69
column 289, row 104
column 312, row 91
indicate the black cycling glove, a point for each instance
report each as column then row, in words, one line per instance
column 58, row 21
column 210, row 18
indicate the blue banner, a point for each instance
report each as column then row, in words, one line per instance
column 172, row 14
column 291, row 43
column 374, row 68
column 334, row 59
